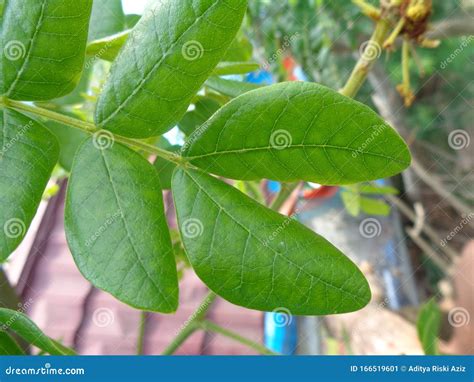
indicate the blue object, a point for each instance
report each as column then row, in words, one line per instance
column 261, row 77
column 280, row 332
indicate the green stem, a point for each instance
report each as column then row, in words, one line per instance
column 363, row 66
column 212, row 327
column 141, row 332
column 90, row 128
column 191, row 325
column 286, row 190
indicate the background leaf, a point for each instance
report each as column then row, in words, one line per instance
column 298, row 131
column 257, row 258
column 230, row 88
column 428, row 324
column 169, row 54
column 203, row 109
column 44, row 48
column 116, row 226
column 28, row 154
column 107, row 18
column 27, row 329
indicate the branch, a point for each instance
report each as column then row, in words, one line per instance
column 212, row 327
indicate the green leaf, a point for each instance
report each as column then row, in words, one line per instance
column 378, row 190
column 428, row 325
column 27, row 329
column 8, row 346
column 298, row 131
column 28, row 154
column 107, row 18
column 257, row 258
column 107, row 48
column 167, row 58
column 374, row 206
column 203, row 109
column 69, row 141
column 230, row 88
column 351, row 201
column 116, row 226
column 239, row 50
column 226, row 68
column 43, row 47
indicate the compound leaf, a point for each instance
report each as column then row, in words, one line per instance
column 116, row 226
column 43, row 43
column 298, row 131
column 28, row 154
column 166, row 59
column 257, row 258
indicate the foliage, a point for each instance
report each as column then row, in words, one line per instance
column 115, row 221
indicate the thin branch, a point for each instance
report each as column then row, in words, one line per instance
column 212, row 327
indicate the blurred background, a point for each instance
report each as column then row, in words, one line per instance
column 410, row 235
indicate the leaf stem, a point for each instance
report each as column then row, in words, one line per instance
column 367, row 59
column 141, row 332
column 191, row 325
column 286, row 190
column 90, row 128
column 212, row 327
